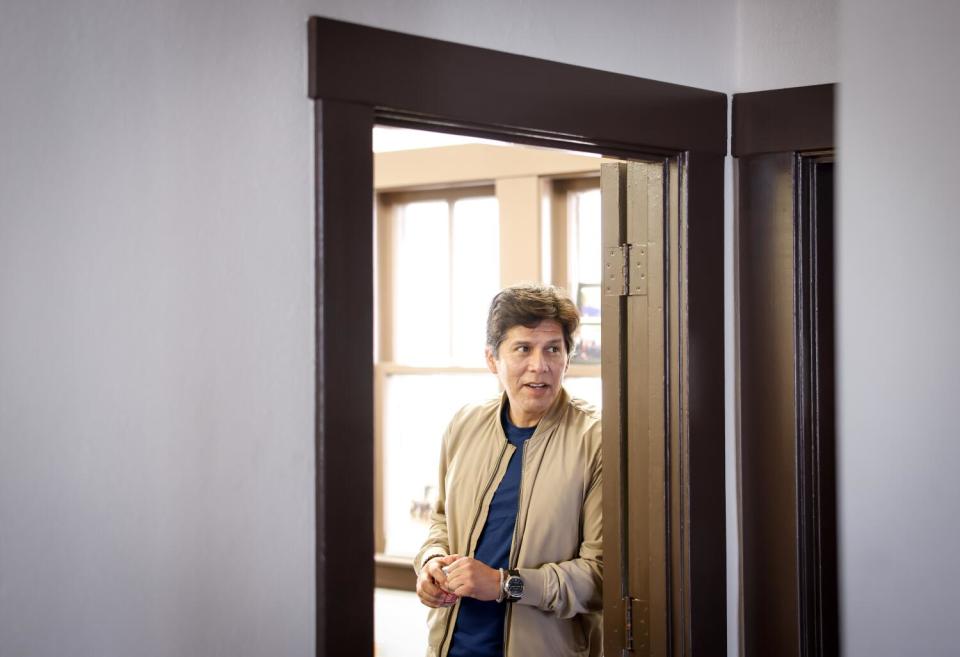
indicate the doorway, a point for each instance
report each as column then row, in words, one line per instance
column 361, row 76
column 456, row 219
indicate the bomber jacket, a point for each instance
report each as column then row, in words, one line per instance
column 556, row 546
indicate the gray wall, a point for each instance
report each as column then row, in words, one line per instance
column 785, row 44
column 155, row 331
column 899, row 312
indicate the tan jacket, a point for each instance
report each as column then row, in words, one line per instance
column 557, row 538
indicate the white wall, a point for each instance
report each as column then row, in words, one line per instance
column 155, row 331
column 156, row 295
column 898, row 318
column 636, row 37
column 784, row 43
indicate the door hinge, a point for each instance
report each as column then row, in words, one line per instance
column 636, row 623
column 625, row 270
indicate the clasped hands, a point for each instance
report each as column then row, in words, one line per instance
column 443, row 580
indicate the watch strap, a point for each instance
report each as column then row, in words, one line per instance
column 508, row 597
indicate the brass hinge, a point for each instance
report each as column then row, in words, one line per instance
column 636, row 623
column 625, row 270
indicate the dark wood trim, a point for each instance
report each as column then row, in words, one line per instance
column 816, row 429
column 704, row 442
column 784, row 143
column 344, row 376
column 786, row 389
column 782, row 120
column 767, row 398
column 360, row 76
column 449, row 83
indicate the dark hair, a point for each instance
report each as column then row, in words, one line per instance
column 527, row 305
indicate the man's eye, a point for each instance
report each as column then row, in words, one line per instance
column 523, row 348
column 553, row 350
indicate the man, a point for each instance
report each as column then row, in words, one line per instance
column 513, row 563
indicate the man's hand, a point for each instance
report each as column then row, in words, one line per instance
column 432, row 581
column 467, row 577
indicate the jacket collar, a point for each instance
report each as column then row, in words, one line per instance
column 548, row 422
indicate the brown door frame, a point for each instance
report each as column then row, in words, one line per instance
column 362, row 76
column 783, row 142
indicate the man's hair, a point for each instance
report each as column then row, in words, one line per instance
column 527, row 305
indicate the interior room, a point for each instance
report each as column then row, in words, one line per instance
column 157, row 301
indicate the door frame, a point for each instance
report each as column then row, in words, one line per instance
column 361, row 76
column 785, row 373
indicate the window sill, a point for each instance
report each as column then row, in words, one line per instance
column 394, row 573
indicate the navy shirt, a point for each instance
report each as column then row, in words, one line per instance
column 479, row 628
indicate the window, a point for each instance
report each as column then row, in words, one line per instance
column 576, row 251
column 446, row 261
column 442, row 269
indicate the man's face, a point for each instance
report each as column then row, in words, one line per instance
column 530, row 364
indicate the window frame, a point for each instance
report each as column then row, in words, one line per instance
column 386, row 203
column 560, row 189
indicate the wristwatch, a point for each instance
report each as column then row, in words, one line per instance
column 512, row 586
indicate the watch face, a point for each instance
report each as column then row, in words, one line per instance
column 515, row 587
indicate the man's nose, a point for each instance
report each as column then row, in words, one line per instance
column 538, row 362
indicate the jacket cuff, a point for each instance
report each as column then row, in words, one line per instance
column 534, row 584
column 427, row 557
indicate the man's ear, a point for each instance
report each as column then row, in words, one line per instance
column 491, row 359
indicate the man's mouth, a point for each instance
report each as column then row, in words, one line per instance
column 537, row 386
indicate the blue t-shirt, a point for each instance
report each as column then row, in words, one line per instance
column 479, row 628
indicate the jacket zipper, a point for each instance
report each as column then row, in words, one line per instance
column 446, row 629
column 512, row 558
